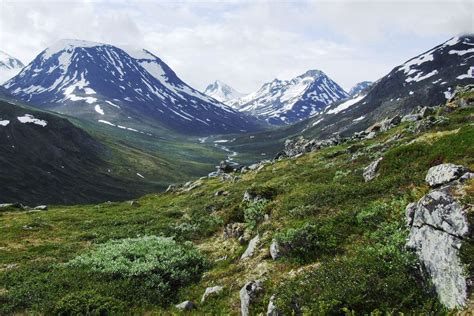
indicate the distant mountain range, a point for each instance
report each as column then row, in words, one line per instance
column 9, row 67
column 129, row 89
column 222, row 92
column 282, row 102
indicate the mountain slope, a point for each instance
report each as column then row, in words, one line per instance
column 46, row 159
column 222, row 92
column 9, row 67
column 288, row 101
column 103, row 83
column 359, row 87
column 425, row 80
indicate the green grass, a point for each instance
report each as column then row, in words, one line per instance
column 345, row 237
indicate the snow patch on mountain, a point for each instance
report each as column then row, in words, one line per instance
column 345, row 105
column 28, row 118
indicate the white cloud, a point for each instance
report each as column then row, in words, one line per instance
column 244, row 43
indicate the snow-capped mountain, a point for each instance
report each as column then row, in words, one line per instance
column 287, row 101
column 9, row 66
column 123, row 89
column 359, row 87
column 425, row 80
column 223, row 92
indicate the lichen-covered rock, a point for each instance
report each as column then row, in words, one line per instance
column 272, row 308
column 389, row 123
column 370, row 172
column 186, row 305
column 249, row 252
column 275, row 250
column 247, row 295
column 211, row 291
column 437, row 226
column 411, row 118
column 444, row 173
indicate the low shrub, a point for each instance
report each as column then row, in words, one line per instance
column 87, row 303
column 254, row 213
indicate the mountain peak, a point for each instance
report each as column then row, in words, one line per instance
column 313, row 73
column 9, row 66
column 222, row 92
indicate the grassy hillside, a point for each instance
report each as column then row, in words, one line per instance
column 344, row 238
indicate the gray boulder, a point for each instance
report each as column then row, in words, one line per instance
column 370, row 172
column 438, row 225
column 272, row 309
column 411, row 118
column 251, row 197
column 186, row 306
column 389, row 123
column 211, row 291
column 249, row 252
column 41, row 208
column 444, row 173
column 247, row 294
column 275, row 250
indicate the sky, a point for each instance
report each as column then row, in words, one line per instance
column 245, row 43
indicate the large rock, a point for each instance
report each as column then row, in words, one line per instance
column 390, row 123
column 186, row 305
column 275, row 252
column 247, row 294
column 438, row 226
column 444, row 173
column 370, row 172
column 249, row 252
column 211, row 291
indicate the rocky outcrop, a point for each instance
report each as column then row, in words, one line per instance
column 370, row 172
column 211, row 291
column 275, row 252
column 249, row 252
column 247, row 294
column 186, row 306
column 444, row 173
column 438, row 226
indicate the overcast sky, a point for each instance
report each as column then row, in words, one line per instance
column 245, row 43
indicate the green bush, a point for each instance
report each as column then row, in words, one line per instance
column 142, row 257
column 87, row 303
column 254, row 213
column 312, row 240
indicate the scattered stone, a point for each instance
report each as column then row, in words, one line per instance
column 411, row 118
column 370, row 172
column 225, row 167
column 272, row 309
column 8, row 205
column 186, row 306
column 387, row 124
column 211, row 291
column 234, row 230
column 444, row 173
column 249, row 252
column 247, row 294
column 221, row 193
column 134, row 203
column 251, row 197
column 275, row 250
column 371, row 135
column 425, row 111
column 172, row 188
